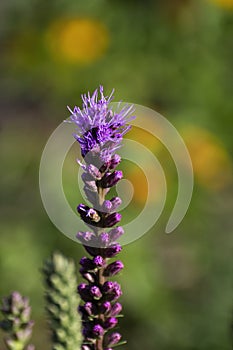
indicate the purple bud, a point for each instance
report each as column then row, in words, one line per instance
column 103, row 240
column 116, row 202
column 113, row 268
column 111, row 179
column 90, row 277
column 82, row 209
column 105, row 307
column 116, row 233
column 87, row 263
column 89, row 308
column 112, row 220
column 113, row 338
column 107, row 206
column 92, row 250
column 111, row 290
column 94, row 172
column 98, row 261
column 112, row 250
column 110, row 323
column 116, row 309
column 86, row 237
column 95, row 292
column 114, row 161
column 98, row 330
column 108, row 286
column 84, row 292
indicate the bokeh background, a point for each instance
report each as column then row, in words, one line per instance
column 173, row 56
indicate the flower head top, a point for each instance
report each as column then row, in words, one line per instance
column 99, row 129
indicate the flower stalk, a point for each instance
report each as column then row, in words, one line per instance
column 17, row 322
column 100, row 132
column 61, row 302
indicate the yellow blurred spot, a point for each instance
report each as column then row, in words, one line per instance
column 211, row 163
column 228, row 4
column 138, row 179
column 78, row 40
column 144, row 138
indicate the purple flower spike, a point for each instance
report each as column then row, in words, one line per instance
column 99, row 131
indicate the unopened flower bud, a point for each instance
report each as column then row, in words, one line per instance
column 111, row 322
column 116, row 233
column 105, row 307
column 113, row 268
column 115, row 310
column 95, row 292
column 111, row 179
column 112, row 250
column 112, row 220
column 113, row 338
column 114, row 161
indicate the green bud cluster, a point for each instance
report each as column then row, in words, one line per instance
column 62, row 302
column 17, row 322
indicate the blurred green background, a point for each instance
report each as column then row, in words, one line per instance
column 175, row 56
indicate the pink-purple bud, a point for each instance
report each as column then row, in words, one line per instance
column 113, row 268
column 115, row 310
column 94, row 172
column 116, row 233
column 110, row 323
column 107, row 206
column 113, row 250
column 90, row 308
column 105, row 307
column 112, row 220
column 113, row 338
column 98, row 330
column 114, row 161
column 86, row 237
column 111, row 290
column 103, row 240
column 98, row 261
column 87, row 263
column 116, row 202
column 111, row 179
column 95, row 292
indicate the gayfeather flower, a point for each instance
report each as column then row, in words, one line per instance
column 100, row 132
